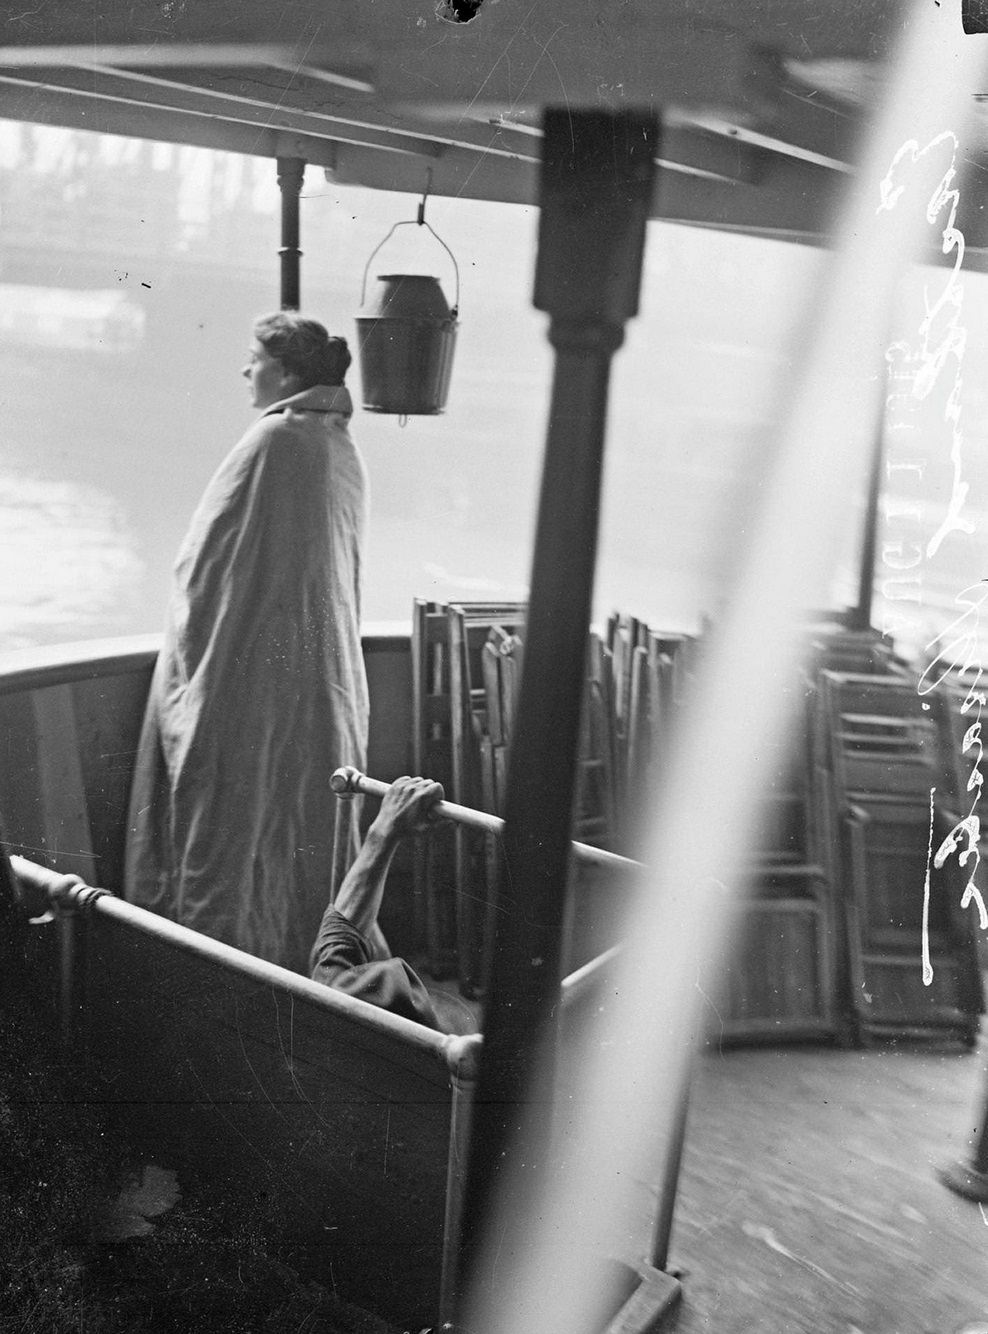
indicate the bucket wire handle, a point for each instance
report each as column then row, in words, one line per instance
column 417, row 222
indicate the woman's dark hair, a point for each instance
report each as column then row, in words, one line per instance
column 303, row 347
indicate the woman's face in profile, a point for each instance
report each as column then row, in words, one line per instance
column 268, row 380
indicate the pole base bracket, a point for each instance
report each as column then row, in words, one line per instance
column 645, row 1311
column 966, row 1181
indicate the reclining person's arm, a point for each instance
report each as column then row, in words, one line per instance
column 404, row 810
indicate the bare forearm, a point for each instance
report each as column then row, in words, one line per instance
column 359, row 896
column 404, row 811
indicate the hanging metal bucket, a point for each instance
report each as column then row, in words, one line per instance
column 406, row 334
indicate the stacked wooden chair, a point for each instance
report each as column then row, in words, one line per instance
column 651, row 674
column 467, row 663
column 780, row 981
column 890, row 795
column 449, row 719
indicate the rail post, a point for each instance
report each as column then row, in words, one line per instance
column 291, row 172
column 859, row 617
column 596, row 186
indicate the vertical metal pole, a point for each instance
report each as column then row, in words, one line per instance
column 68, row 926
column 860, row 618
column 596, row 186
column 13, row 967
column 462, row 1059
column 291, row 171
column 669, row 1185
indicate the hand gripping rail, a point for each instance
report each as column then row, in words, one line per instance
column 349, row 782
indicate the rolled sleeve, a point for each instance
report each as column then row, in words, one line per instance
column 341, row 959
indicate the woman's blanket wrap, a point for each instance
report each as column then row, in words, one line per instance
column 259, row 692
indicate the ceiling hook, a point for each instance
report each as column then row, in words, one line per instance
column 425, row 196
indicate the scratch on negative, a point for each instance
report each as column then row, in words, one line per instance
column 497, row 1253
column 507, row 48
column 548, row 55
column 54, row 852
column 531, row 73
column 515, row 100
column 387, row 1141
column 720, row 1017
column 287, row 1055
column 257, row 1079
column 289, row 1058
column 266, row 125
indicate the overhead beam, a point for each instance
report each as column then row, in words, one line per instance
column 685, row 147
column 128, row 89
column 42, row 106
column 456, row 172
column 785, row 194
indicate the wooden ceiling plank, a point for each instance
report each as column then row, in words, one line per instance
column 23, row 101
column 140, row 92
column 767, row 139
column 293, row 94
column 320, row 75
column 817, row 123
column 150, row 55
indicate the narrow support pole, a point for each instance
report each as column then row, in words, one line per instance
column 462, row 1060
column 68, row 926
column 860, row 618
column 597, row 176
column 669, row 1185
column 291, row 171
column 13, row 966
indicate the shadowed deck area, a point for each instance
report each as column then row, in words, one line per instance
column 809, row 1199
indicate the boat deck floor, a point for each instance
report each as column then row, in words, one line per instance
column 809, row 1199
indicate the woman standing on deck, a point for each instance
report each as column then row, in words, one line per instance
column 259, row 692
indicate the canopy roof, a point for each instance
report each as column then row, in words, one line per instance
column 761, row 102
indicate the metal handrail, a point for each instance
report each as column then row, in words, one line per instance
column 349, row 782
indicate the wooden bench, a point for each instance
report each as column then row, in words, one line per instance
column 335, row 1122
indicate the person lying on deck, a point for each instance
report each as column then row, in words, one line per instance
column 350, row 953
